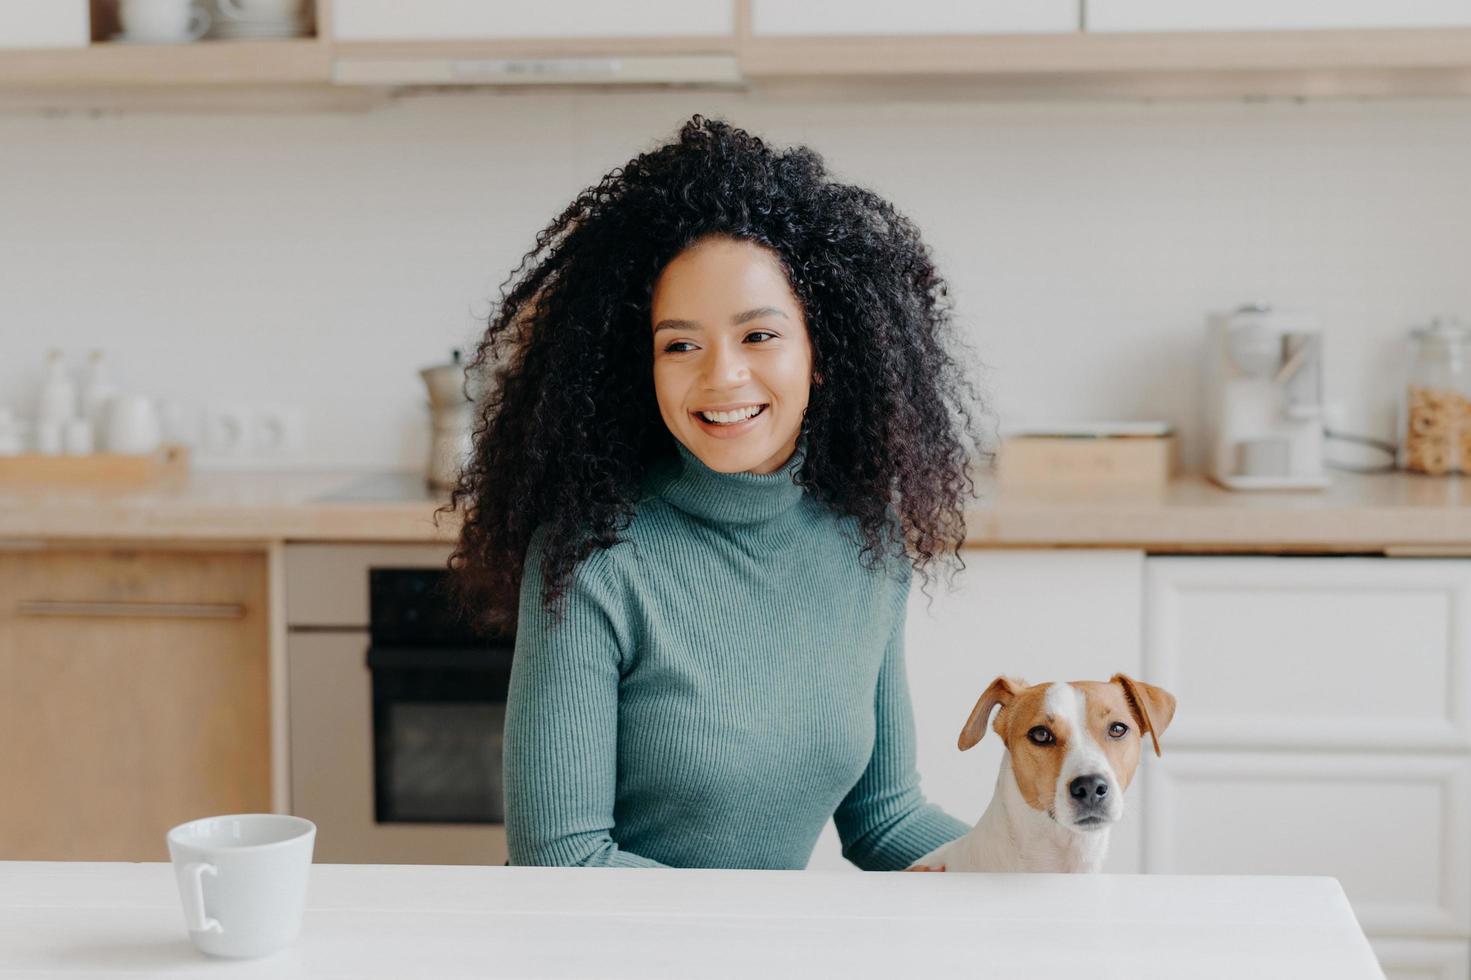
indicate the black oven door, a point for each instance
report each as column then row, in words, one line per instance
column 438, row 716
column 439, row 702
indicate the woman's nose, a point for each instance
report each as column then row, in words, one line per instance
column 726, row 364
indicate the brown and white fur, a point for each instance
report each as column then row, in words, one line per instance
column 1071, row 751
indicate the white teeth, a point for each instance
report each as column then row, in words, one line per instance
column 726, row 418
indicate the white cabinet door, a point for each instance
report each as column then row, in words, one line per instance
column 459, row 20
column 1271, row 15
column 772, row 18
column 1337, row 653
column 1040, row 615
column 1393, row 828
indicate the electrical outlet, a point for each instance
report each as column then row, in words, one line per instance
column 225, row 431
column 275, row 431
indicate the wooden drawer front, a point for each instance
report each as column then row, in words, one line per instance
column 1393, row 829
column 327, row 584
column 47, row 577
column 1424, row 959
column 1326, row 652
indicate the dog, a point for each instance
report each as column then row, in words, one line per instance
column 1071, row 751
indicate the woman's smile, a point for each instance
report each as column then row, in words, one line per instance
column 731, row 423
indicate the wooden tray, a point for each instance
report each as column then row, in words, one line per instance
column 169, row 462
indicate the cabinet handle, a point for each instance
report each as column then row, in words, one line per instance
column 130, row 610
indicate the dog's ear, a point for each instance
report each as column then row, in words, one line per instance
column 1153, row 707
column 1000, row 691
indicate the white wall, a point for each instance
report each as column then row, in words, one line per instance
column 317, row 261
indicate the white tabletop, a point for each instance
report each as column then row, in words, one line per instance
column 75, row 919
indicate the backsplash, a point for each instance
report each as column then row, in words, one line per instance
column 312, row 264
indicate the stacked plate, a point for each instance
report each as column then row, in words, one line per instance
column 240, row 20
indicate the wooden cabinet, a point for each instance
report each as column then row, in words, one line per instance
column 1272, row 15
column 134, row 695
column 1041, row 615
column 879, row 17
column 459, row 20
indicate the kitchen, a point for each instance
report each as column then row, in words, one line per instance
column 268, row 249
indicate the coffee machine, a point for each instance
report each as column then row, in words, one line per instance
column 1264, row 399
column 453, row 417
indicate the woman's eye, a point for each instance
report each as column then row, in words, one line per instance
column 759, row 333
column 1118, row 730
column 678, row 343
column 1040, row 736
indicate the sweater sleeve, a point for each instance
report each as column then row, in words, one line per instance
column 884, row 822
column 560, row 759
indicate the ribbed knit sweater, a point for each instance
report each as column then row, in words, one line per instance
column 725, row 679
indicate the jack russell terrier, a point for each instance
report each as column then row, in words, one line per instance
column 1071, row 751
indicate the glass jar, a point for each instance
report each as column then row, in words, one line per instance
column 1435, row 415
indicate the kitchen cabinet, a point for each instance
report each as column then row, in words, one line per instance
column 134, row 695
column 1271, row 15
column 880, row 17
column 444, row 20
column 1322, row 729
column 1039, row 615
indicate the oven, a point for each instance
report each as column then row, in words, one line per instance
column 396, row 708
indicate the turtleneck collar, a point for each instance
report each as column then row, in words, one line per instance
column 726, row 498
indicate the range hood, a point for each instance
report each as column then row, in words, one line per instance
column 651, row 69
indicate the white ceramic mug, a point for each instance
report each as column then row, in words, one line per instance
column 162, row 21
column 260, row 10
column 242, row 879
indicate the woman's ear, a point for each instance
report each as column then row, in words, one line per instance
column 817, row 377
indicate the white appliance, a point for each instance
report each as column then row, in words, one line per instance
column 1263, row 407
column 395, row 720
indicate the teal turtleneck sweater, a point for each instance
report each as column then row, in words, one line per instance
column 725, row 679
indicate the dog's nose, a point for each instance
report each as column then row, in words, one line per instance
column 1088, row 790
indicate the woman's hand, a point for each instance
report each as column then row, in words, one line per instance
column 925, row 867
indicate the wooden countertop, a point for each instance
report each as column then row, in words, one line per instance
column 1395, row 512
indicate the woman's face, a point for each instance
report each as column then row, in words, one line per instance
column 730, row 337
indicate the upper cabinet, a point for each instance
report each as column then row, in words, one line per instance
column 1271, row 15
column 462, row 20
column 785, row 18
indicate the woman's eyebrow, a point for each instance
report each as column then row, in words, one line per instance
column 736, row 320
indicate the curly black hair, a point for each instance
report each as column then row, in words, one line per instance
column 568, row 422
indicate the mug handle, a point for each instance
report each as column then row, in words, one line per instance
column 193, row 881
column 198, row 23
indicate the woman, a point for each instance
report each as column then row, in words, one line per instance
column 722, row 428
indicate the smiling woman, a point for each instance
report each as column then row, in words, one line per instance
column 722, row 427
column 732, row 387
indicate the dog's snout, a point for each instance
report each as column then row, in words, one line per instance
column 1089, row 790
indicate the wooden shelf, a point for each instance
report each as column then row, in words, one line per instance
column 1073, row 54
column 1389, row 62
column 298, row 61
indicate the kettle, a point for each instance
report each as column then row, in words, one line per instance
column 452, row 412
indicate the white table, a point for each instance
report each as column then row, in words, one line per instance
column 72, row 919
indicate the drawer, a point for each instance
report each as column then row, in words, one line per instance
column 1350, row 653
column 1393, row 828
column 92, row 582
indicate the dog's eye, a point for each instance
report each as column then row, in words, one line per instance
column 1118, row 730
column 1040, row 736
